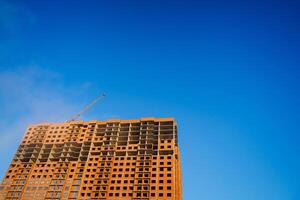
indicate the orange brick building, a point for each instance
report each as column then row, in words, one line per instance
column 113, row 159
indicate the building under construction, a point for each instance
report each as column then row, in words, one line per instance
column 113, row 159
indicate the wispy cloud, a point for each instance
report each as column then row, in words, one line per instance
column 29, row 95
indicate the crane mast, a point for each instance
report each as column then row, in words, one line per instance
column 87, row 107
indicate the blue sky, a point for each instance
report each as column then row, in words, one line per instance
column 227, row 71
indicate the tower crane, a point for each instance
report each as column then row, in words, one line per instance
column 87, row 107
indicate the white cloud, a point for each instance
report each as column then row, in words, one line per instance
column 30, row 95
